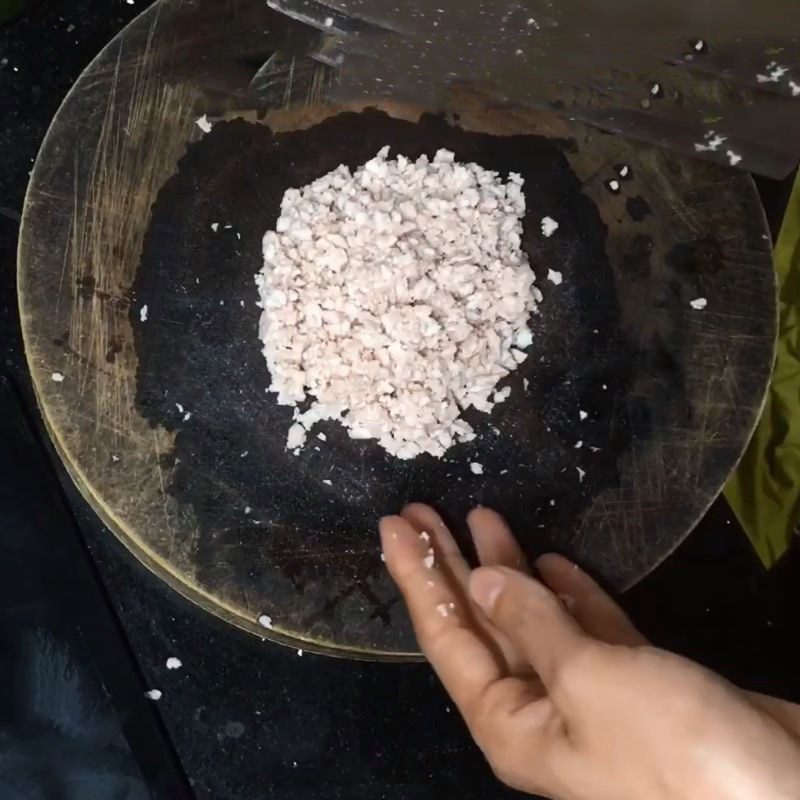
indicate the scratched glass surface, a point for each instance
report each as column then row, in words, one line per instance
column 717, row 79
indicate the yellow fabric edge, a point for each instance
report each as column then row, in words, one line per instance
column 764, row 490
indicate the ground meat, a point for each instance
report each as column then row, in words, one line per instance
column 396, row 297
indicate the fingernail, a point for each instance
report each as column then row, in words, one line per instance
column 485, row 586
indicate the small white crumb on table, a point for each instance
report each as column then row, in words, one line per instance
column 699, row 304
column 154, row 694
column 582, row 415
column 476, row 468
column 57, row 377
column 581, row 474
column 327, row 482
column 322, row 437
column 204, row 124
column 579, row 444
column 174, row 663
column 300, row 653
column 215, row 226
column 265, row 621
column 554, row 276
column 549, row 227
column 143, row 311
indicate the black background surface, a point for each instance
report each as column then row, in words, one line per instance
column 250, row 720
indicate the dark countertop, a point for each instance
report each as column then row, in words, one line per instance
column 251, row 720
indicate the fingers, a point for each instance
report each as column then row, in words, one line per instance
column 464, row 662
column 595, row 611
column 494, row 542
column 532, row 618
column 503, row 712
column 510, row 718
column 424, row 518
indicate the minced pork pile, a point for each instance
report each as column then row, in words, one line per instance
column 396, row 297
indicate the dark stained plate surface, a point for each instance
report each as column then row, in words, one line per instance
column 119, row 215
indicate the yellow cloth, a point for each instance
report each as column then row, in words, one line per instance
column 764, row 491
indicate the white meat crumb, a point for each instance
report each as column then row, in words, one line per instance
column 442, row 609
column 143, row 313
column 322, row 437
column 476, row 468
column 554, row 276
column 265, row 621
column 501, row 395
column 582, row 415
column 699, row 304
column 154, row 694
column 58, row 377
column 174, row 663
column 395, row 298
column 774, row 73
column 425, row 536
column 203, row 123
column 429, row 559
column 712, row 142
column 549, row 227
column 296, row 437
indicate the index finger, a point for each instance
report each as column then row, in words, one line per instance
column 440, row 614
column 474, row 675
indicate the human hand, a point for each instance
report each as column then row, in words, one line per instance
column 562, row 693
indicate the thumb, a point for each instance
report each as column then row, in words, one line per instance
column 530, row 615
